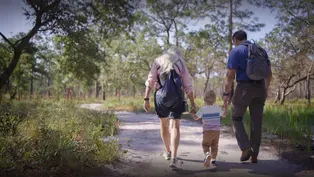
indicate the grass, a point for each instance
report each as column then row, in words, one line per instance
column 132, row 104
column 46, row 138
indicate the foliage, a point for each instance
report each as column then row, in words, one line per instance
column 52, row 137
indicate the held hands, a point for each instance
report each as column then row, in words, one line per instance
column 195, row 117
column 224, row 111
column 226, row 100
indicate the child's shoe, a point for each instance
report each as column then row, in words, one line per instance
column 207, row 160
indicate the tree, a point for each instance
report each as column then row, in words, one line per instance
column 67, row 18
column 288, row 62
column 296, row 22
column 166, row 15
column 203, row 59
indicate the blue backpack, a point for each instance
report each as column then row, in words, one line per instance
column 170, row 93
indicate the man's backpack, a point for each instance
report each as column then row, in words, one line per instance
column 170, row 93
column 258, row 65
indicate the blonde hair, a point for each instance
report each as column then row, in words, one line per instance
column 210, row 97
column 167, row 60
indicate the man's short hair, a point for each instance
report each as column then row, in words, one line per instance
column 239, row 35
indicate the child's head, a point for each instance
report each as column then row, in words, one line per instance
column 210, row 97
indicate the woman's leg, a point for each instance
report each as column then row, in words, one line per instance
column 175, row 136
column 164, row 133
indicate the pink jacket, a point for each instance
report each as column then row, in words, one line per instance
column 185, row 75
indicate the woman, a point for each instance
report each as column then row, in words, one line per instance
column 164, row 75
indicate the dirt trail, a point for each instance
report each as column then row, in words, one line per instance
column 139, row 135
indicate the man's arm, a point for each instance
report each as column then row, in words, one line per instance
column 229, row 79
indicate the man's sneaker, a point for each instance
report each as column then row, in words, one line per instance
column 174, row 165
column 246, row 154
column 167, row 155
column 213, row 163
column 207, row 160
column 253, row 159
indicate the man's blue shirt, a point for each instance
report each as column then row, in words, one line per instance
column 237, row 61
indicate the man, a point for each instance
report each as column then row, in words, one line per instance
column 248, row 93
column 169, row 63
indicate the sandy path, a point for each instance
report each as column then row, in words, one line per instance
column 139, row 135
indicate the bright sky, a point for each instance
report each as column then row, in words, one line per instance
column 13, row 21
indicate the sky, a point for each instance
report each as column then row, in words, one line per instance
column 12, row 20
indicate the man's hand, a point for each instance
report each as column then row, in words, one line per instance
column 226, row 100
column 224, row 111
column 146, row 106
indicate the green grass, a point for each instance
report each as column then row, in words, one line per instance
column 55, row 138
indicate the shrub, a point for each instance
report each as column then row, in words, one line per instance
column 52, row 137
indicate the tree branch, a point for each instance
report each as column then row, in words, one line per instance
column 294, row 48
column 8, row 41
column 290, row 91
column 297, row 81
column 32, row 4
column 150, row 16
column 290, row 78
column 306, row 22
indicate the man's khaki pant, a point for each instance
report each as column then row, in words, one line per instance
column 210, row 142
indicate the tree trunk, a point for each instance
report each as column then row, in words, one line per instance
column 278, row 95
column 309, row 91
column 0, row 96
column 308, row 81
column 176, row 33
column 285, row 93
column 98, row 88
column 48, row 85
column 118, row 94
column 304, row 90
column 206, row 83
column 31, row 90
column 90, row 93
column 67, row 92
column 134, row 91
column 230, row 26
column 79, row 92
column 18, row 48
column 13, row 95
column 168, row 37
column 283, row 96
column 103, row 92
column 300, row 90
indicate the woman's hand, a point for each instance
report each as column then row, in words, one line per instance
column 146, row 106
column 193, row 108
